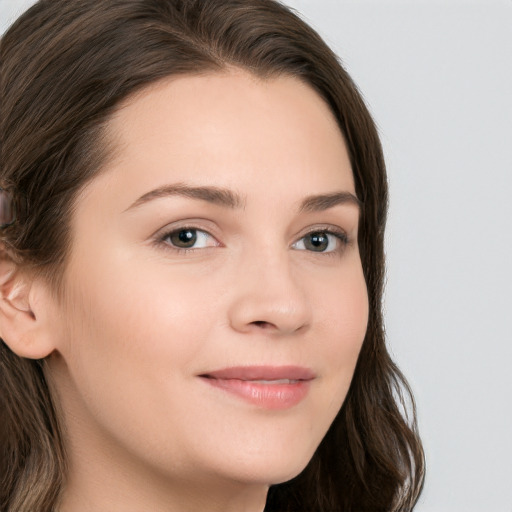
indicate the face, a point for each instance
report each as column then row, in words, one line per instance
column 215, row 301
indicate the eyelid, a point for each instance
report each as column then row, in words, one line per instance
column 195, row 225
column 326, row 228
column 162, row 235
column 340, row 234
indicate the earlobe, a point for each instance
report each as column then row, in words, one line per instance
column 22, row 328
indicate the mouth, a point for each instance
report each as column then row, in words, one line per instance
column 268, row 387
column 262, row 381
column 266, row 374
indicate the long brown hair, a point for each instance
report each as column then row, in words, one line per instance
column 65, row 67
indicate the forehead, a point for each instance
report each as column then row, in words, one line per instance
column 228, row 129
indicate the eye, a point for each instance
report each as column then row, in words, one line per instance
column 188, row 239
column 322, row 241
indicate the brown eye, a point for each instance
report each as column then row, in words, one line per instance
column 323, row 241
column 187, row 239
column 317, row 241
column 184, row 238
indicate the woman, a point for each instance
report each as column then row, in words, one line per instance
column 192, row 262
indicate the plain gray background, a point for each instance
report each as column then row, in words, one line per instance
column 437, row 76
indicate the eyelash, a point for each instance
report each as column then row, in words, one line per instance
column 339, row 234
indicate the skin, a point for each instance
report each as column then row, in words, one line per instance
column 141, row 321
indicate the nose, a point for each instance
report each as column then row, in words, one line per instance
column 268, row 297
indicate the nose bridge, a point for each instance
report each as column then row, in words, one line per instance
column 268, row 294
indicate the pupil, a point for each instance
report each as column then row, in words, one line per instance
column 184, row 237
column 318, row 241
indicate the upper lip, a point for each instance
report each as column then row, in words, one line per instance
column 262, row 373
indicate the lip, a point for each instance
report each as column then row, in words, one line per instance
column 262, row 373
column 242, row 381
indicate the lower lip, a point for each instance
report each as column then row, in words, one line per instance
column 268, row 396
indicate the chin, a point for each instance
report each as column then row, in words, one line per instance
column 271, row 470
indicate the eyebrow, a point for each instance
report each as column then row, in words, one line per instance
column 215, row 195
column 321, row 202
column 230, row 199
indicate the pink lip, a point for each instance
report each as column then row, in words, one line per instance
column 262, row 373
column 240, row 381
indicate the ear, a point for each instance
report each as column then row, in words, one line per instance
column 24, row 308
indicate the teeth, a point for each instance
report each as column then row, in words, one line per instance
column 280, row 381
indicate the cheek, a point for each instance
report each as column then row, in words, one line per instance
column 346, row 310
column 140, row 320
column 344, row 327
column 135, row 338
